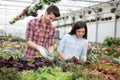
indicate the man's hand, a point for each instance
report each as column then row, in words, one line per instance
column 50, row 56
column 45, row 53
column 42, row 51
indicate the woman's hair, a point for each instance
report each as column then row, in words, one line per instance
column 79, row 25
column 53, row 9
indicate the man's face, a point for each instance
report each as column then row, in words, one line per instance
column 49, row 17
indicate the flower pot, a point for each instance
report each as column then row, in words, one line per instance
column 113, row 10
column 97, row 18
column 117, row 17
column 106, row 18
column 39, row 6
column 73, row 18
column 34, row 14
column 99, row 9
column 110, row 18
column 102, row 19
column 89, row 12
column 63, row 18
column 87, row 21
column 80, row 16
column 67, row 17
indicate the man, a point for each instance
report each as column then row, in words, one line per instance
column 40, row 33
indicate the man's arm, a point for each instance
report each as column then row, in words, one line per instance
column 29, row 34
column 32, row 44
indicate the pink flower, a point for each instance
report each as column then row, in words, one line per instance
column 104, row 58
column 118, row 50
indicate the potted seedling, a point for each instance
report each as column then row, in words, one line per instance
column 73, row 18
column 99, row 9
column 89, row 12
column 117, row 16
column 113, row 10
column 102, row 19
column 67, row 17
column 98, row 18
column 106, row 18
column 109, row 17
column 80, row 16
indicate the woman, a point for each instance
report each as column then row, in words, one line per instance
column 74, row 43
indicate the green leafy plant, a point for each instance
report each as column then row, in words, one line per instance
column 109, row 41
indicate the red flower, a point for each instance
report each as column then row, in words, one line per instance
column 108, row 49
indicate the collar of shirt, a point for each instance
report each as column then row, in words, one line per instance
column 76, row 37
column 40, row 21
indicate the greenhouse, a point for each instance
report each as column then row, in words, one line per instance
column 59, row 40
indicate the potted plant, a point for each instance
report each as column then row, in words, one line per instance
column 59, row 18
column 73, row 18
column 63, row 18
column 80, row 16
column 99, row 9
column 86, row 21
column 56, row 19
column 39, row 6
column 109, row 17
column 98, row 18
column 117, row 17
column 94, row 20
column 34, row 14
column 102, row 19
column 67, row 17
column 113, row 10
column 106, row 18
column 89, row 12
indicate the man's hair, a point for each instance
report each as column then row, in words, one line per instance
column 53, row 9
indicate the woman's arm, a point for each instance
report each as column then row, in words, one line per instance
column 61, row 55
column 84, row 52
column 61, row 47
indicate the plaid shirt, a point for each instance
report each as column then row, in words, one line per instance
column 43, row 36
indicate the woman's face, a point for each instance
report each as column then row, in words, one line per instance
column 80, row 32
column 50, row 18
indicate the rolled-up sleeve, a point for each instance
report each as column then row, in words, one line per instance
column 29, row 30
column 84, row 51
column 51, row 37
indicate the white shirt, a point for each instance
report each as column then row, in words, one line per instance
column 71, row 46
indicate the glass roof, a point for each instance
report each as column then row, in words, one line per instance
column 10, row 8
column 16, row 6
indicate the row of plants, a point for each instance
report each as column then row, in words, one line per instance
column 109, row 51
column 44, row 73
column 117, row 17
column 102, row 64
column 11, row 38
column 73, row 69
column 112, row 10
